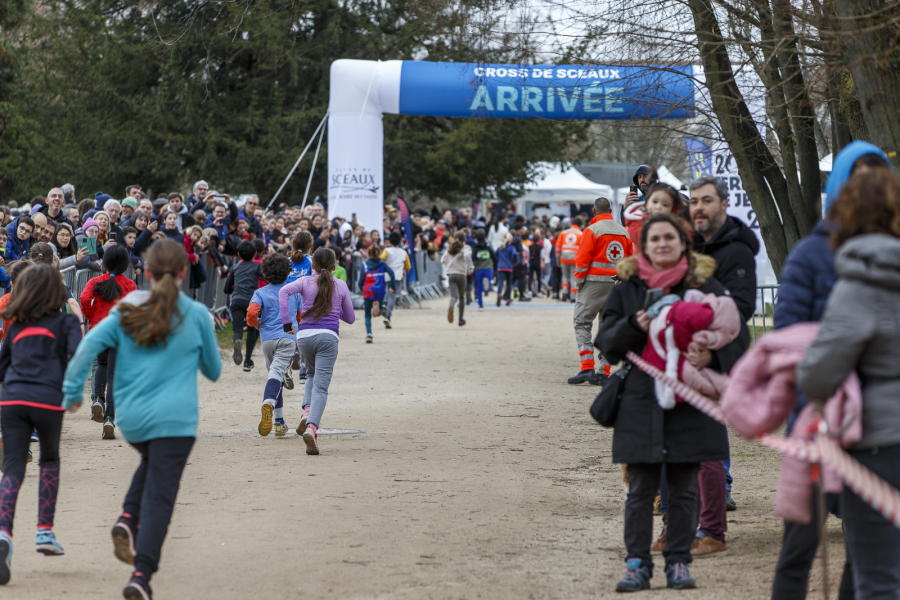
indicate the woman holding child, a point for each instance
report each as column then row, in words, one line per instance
column 646, row 436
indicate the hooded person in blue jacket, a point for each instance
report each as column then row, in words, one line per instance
column 807, row 278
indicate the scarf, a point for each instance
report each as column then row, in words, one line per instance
column 661, row 279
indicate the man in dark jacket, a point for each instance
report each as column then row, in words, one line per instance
column 728, row 240
column 53, row 208
column 733, row 245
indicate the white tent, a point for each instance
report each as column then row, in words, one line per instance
column 555, row 186
column 666, row 176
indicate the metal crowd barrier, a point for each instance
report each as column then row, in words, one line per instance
column 762, row 320
column 69, row 275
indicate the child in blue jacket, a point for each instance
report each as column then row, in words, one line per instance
column 507, row 259
column 372, row 283
column 278, row 347
column 153, row 332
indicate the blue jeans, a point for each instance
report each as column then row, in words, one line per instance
column 872, row 540
column 480, row 276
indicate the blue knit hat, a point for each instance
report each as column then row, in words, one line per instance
column 843, row 165
column 100, row 199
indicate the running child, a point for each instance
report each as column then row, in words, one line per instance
column 328, row 302
column 507, row 259
column 301, row 266
column 371, row 281
column 99, row 296
column 242, row 281
column 483, row 259
column 397, row 259
column 41, row 339
column 278, row 346
column 153, row 332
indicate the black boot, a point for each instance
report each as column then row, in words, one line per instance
column 600, row 380
column 583, row 377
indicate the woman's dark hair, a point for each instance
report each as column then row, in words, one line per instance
column 323, row 261
column 301, row 245
column 276, row 268
column 375, row 251
column 133, row 219
column 670, row 191
column 115, row 261
column 41, row 252
column 84, row 206
column 65, row 251
column 455, row 247
column 151, row 322
column 691, row 280
column 260, row 246
column 868, row 203
column 38, row 292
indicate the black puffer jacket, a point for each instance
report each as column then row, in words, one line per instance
column 734, row 247
column 644, row 432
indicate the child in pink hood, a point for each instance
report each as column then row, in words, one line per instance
column 679, row 331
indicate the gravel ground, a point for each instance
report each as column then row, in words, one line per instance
column 479, row 474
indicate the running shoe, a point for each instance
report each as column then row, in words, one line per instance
column 509, row 302
column 123, row 534
column 499, row 299
column 637, row 577
column 450, row 315
column 376, row 308
column 302, row 377
column 387, row 324
column 97, row 410
column 109, row 429
column 296, row 362
column 6, row 550
column 480, row 309
column 138, row 588
column 730, row 504
column 368, row 338
column 281, row 428
column 30, row 457
column 302, row 426
column 311, row 440
column 34, row 436
column 47, row 544
column 265, row 422
column 248, row 365
column 289, row 379
column 679, row 578
column 237, row 357
column 462, row 322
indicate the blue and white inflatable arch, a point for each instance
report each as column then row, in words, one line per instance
column 362, row 91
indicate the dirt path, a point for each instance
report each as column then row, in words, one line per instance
column 480, row 475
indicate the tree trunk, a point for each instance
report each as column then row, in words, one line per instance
column 802, row 117
column 755, row 163
column 867, row 32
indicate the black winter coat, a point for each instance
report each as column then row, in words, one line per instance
column 734, row 247
column 644, row 432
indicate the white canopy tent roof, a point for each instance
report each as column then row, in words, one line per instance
column 554, row 185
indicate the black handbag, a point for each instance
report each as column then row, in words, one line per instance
column 606, row 406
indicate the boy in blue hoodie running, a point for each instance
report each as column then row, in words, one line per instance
column 371, row 280
column 278, row 347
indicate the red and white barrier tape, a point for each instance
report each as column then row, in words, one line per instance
column 873, row 490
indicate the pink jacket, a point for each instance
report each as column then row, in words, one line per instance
column 762, row 395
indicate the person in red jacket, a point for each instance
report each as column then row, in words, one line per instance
column 99, row 297
column 603, row 243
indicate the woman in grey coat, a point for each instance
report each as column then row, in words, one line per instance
column 861, row 330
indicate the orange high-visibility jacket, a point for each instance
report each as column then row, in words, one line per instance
column 603, row 244
column 567, row 245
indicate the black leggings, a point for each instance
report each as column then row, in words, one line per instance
column 106, row 372
column 151, row 498
column 239, row 322
column 17, row 422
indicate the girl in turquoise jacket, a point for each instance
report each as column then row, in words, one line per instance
column 160, row 331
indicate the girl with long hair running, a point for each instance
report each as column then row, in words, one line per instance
column 99, row 296
column 39, row 342
column 326, row 302
column 157, row 331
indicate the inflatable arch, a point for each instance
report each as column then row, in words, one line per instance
column 362, row 91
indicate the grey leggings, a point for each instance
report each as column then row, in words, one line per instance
column 458, row 291
column 319, row 353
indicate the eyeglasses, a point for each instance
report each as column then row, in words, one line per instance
column 25, row 229
column 56, row 195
